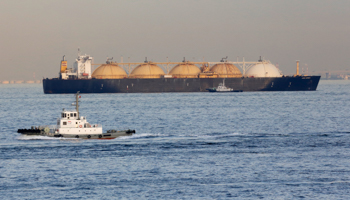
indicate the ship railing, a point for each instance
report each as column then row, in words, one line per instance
column 52, row 128
column 87, row 125
column 47, row 126
column 96, row 125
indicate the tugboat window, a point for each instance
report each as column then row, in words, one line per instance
column 75, row 114
column 64, row 123
column 62, row 115
column 71, row 114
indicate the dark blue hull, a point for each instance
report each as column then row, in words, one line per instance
column 299, row 83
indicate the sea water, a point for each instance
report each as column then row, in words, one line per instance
column 249, row 145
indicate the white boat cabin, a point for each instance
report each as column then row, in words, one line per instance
column 71, row 123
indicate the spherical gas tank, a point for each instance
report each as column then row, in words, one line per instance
column 147, row 70
column 263, row 70
column 226, row 70
column 109, row 71
column 185, row 70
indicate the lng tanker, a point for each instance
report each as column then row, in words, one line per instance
column 185, row 76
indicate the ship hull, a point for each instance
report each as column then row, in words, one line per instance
column 108, row 135
column 298, row 83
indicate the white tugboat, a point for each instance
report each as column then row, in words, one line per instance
column 222, row 88
column 72, row 125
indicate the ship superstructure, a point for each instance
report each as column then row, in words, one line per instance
column 81, row 70
column 71, row 124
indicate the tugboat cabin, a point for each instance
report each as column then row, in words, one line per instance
column 71, row 123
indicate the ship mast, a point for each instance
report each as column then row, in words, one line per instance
column 77, row 103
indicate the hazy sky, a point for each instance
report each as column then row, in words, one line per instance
column 35, row 34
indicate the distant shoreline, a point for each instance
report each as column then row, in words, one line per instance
column 21, row 82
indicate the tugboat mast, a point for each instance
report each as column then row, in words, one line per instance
column 77, row 103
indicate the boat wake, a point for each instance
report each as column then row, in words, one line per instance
column 141, row 135
column 213, row 135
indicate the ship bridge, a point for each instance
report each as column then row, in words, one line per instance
column 69, row 115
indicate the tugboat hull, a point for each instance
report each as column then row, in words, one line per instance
column 109, row 135
column 214, row 90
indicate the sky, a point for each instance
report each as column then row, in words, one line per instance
column 35, row 34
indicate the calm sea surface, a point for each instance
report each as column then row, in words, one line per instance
column 250, row 145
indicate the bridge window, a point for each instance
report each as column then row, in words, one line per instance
column 71, row 114
column 64, row 123
column 75, row 114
